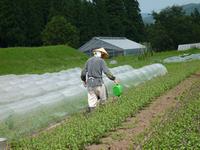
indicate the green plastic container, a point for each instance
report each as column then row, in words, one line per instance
column 117, row 90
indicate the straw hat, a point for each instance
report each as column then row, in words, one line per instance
column 103, row 51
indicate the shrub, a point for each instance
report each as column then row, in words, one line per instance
column 59, row 31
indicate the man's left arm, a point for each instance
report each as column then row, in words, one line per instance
column 106, row 71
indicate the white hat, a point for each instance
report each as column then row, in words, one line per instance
column 102, row 50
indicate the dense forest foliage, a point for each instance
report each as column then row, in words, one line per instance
column 38, row 22
column 74, row 22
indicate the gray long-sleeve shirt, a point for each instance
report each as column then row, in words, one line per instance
column 93, row 69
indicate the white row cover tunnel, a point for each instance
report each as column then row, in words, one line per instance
column 24, row 94
column 182, row 58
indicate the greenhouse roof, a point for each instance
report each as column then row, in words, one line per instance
column 117, row 43
column 123, row 43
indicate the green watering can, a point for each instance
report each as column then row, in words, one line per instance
column 117, row 89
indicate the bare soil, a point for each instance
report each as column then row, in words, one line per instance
column 122, row 137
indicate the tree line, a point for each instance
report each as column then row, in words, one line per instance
column 74, row 22
column 45, row 22
column 173, row 27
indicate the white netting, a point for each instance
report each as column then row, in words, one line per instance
column 182, row 58
column 58, row 94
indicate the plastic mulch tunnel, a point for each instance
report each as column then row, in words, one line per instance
column 29, row 102
column 182, row 58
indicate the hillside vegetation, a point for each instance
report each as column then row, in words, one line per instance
column 23, row 60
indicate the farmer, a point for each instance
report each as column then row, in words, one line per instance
column 91, row 75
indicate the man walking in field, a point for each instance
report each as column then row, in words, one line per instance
column 91, row 75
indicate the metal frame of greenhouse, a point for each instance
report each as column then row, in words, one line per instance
column 115, row 46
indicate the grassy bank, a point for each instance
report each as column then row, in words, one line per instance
column 23, row 60
column 39, row 59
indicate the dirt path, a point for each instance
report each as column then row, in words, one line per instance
column 121, row 139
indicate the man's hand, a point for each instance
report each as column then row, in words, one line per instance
column 116, row 81
column 84, row 83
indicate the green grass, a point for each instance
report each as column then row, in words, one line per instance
column 23, row 60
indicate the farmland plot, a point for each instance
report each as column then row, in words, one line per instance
column 81, row 130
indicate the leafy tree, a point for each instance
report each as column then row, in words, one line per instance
column 22, row 22
column 103, row 27
column 59, row 31
column 77, row 12
column 195, row 15
column 56, row 8
column 159, row 38
column 11, row 24
column 116, row 14
column 171, row 26
column 88, row 22
column 134, row 25
column 33, row 21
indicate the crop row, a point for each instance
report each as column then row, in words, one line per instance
column 81, row 130
column 182, row 128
